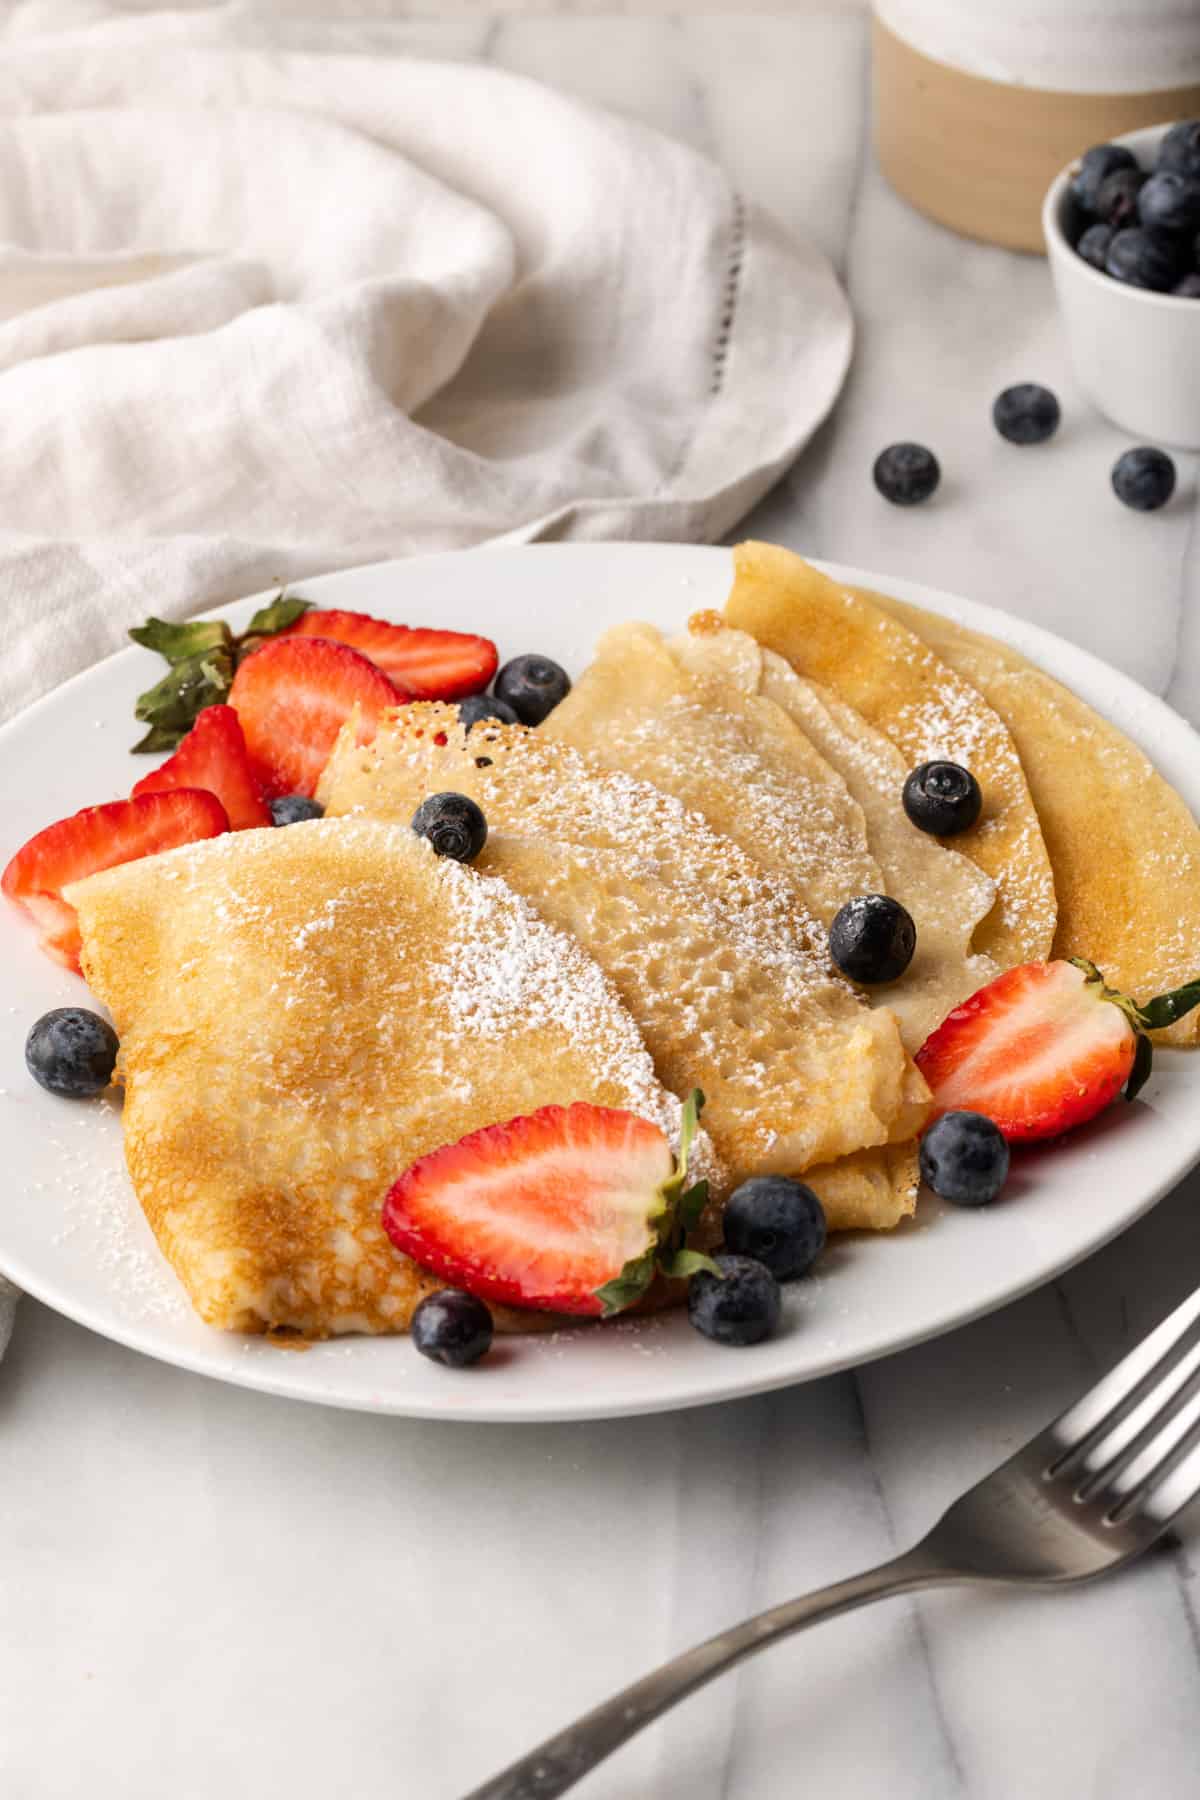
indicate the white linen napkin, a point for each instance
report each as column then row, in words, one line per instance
column 265, row 313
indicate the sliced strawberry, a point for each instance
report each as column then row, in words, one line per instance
column 294, row 695
column 1044, row 1047
column 213, row 756
column 97, row 838
column 569, row 1209
column 432, row 665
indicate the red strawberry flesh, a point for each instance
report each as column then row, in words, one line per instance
column 430, row 664
column 537, row 1212
column 1038, row 1050
column 213, row 755
column 293, row 695
column 98, row 838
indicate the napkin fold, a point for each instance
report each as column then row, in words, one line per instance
column 266, row 312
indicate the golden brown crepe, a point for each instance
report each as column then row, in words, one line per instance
column 304, row 1012
column 893, row 679
column 727, row 978
column 946, row 894
column 1123, row 845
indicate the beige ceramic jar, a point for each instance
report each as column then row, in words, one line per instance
column 979, row 103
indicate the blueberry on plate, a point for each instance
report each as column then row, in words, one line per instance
column 454, row 825
column 739, row 1306
column 775, row 1221
column 942, row 798
column 452, row 1327
column 293, row 809
column 1093, row 245
column 71, row 1051
column 1189, row 287
column 1026, row 413
column 964, row 1158
column 1094, row 166
column 1144, row 258
column 1179, row 149
column 477, row 707
column 532, row 686
column 1117, row 201
column 906, row 474
column 872, row 939
column 1170, row 201
column 1144, row 478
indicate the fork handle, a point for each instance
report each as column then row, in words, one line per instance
column 561, row 1761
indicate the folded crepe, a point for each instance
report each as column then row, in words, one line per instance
column 797, row 779
column 1123, row 845
column 725, row 974
column 893, row 679
column 302, row 1013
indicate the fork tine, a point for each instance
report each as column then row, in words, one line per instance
column 1122, row 1439
column 1112, row 1398
column 1156, row 1459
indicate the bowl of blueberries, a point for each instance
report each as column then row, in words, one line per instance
column 1122, row 228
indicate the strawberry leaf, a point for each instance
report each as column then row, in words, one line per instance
column 678, row 1209
column 1157, row 1014
column 691, row 1206
column 1139, row 1074
column 177, row 642
column 283, row 611
column 681, row 1265
column 171, row 706
column 625, row 1289
column 203, row 654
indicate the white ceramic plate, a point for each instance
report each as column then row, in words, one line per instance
column 71, row 1231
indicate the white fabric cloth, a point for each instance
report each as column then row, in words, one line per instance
column 267, row 312
column 404, row 306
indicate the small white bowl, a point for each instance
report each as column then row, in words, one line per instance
column 1136, row 353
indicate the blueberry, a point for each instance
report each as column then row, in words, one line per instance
column 942, row 798
column 1170, row 202
column 1180, row 149
column 1189, row 287
column 1093, row 245
column 293, row 809
column 906, row 474
column 964, row 1158
column 532, row 686
column 738, row 1307
column 1145, row 259
column 71, row 1051
column 872, row 939
column 1117, row 201
column 1144, row 478
column 477, row 707
column 1026, row 414
column 452, row 1327
column 776, row 1221
column 454, row 825
column 1094, row 165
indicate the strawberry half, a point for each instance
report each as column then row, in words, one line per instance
column 97, row 838
column 1045, row 1047
column 294, row 695
column 213, row 756
column 431, row 665
column 570, row 1209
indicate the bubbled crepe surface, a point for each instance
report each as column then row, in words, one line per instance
column 725, row 973
column 797, row 779
column 302, row 1013
column 1123, row 844
column 893, row 679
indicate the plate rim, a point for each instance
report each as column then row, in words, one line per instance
column 1143, row 708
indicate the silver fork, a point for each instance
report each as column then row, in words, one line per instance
column 1089, row 1493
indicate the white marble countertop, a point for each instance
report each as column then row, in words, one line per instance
column 207, row 1592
